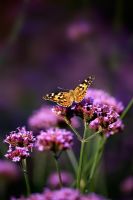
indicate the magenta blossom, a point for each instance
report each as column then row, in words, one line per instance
column 53, row 180
column 102, row 97
column 99, row 109
column 127, row 185
column 20, row 138
column 66, row 113
column 20, row 143
column 62, row 194
column 8, row 170
column 54, row 139
column 78, row 30
column 17, row 154
column 106, row 119
column 44, row 118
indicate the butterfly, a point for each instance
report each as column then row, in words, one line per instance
column 66, row 99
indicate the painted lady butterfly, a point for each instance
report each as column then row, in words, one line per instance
column 66, row 99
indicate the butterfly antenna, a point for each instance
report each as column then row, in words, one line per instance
column 60, row 88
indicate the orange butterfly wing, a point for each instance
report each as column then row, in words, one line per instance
column 81, row 89
column 66, row 98
column 62, row 98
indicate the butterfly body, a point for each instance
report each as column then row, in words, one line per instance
column 66, row 99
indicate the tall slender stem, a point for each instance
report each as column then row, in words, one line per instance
column 73, row 160
column 97, row 157
column 74, row 130
column 24, row 166
column 58, row 170
column 81, row 157
column 130, row 104
column 91, row 136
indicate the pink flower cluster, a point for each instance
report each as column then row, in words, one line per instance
column 63, row 194
column 54, row 139
column 127, row 185
column 20, row 143
column 44, row 118
column 78, row 30
column 53, row 180
column 105, row 118
column 102, row 97
column 8, row 170
column 101, row 111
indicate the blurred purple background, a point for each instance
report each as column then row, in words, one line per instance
column 46, row 44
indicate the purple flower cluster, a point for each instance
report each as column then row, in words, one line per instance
column 17, row 154
column 101, row 111
column 78, row 30
column 54, row 139
column 44, row 118
column 104, row 118
column 102, row 97
column 53, row 180
column 20, row 143
column 63, row 194
column 127, row 185
column 8, row 170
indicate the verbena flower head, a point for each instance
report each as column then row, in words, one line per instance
column 8, row 170
column 53, row 180
column 44, row 118
column 102, row 97
column 62, row 194
column 20, row 143
column 54, row 139
column 66, row 113
column 101, row 111
column 20, row 138
column 127, row 185
column 17, row 154
column 104, row 118
column 78, row 30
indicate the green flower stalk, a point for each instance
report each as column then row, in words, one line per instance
column 101, row 115
column 58, row 169
column 55, row 140
column 24, row 168
column 79, row 173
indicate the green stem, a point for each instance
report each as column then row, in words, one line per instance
column 97, row 157
column 92, row 136
column 130, row 104
column 58, row 170
column 81, row 157
column 74, row 130
column 24, row 166
column 73, row 160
